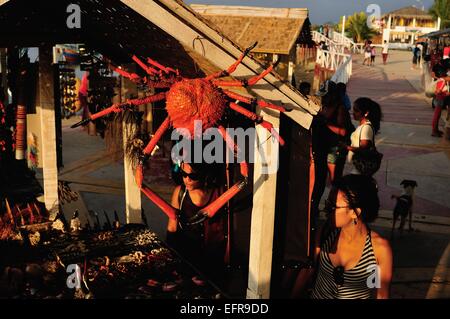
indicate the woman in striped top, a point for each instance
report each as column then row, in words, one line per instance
column 353, row 261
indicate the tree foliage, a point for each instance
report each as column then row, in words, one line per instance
column 441, row 9
column 356, row 27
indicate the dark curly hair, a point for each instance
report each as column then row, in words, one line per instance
column 361, row 192
column 366, row 105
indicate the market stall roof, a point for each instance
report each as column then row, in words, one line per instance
column 277, row 30
column 437, row 34
column 409, row 13
column 165, row 30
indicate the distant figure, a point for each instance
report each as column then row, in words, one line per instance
column 416, row 57
column 404, row 204
column 385, row 51
column 367, row 53
column 373, row 53
column 419, row 57
column 446, row 53
column 326, row 30
column 321, row 29
column 305, row 88
column 441, row 93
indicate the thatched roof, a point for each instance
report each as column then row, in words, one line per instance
column 409, row 13
column 276, row 29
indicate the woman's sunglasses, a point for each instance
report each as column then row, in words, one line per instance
column 329, row 205
column 192, row 176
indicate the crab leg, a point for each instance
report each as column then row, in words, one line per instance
column 232, row 67
column 149, row 149
column 132, row 76
column 250, row 82
column 137, row 79
column 160, row 202
column 161, row 67
column 119, row 107
column 247, row 100
column 234, row 148
column 258, row 120
column 146, row 68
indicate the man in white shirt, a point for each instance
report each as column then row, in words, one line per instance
column 384, row 53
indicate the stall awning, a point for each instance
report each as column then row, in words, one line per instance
column 437, row 34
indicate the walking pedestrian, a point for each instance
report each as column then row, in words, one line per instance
column 385, row 51
column 368, row 113
column 367, row 53
column 416, row 56
column 373, row 53
column 441, row 93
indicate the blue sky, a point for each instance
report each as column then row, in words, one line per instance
column 322, row 11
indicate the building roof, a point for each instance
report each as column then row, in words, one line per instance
column 437, row 34
column 409, row 13
column 165, row 30
column 275, row 29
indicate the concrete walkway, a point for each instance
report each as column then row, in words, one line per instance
column 421, row 257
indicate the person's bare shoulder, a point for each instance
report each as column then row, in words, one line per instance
column 381, row 245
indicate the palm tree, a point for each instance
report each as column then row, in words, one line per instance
column 357, row 28
column 441, row 9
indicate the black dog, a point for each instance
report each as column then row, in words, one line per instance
column 403, row 208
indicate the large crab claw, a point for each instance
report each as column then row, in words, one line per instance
column 210, row 210
column 139, row 174
column 198, row 218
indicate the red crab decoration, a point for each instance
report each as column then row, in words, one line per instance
column 187, row 101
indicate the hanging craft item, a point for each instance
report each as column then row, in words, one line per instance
column 32, row 152
column 3, row 129
column 188, row 101
column 68, row 91
column 21, row 121
column 65, row 194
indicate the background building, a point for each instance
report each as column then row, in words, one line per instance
column 280, row 32
column 405, row 25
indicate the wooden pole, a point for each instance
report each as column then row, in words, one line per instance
column 48, row 128
column 263, row 213
column 132, row 192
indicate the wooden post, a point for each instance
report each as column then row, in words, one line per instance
column 263, row 214
column 132, row 191
column 48, row 128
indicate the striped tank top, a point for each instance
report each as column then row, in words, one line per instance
column 355, row 281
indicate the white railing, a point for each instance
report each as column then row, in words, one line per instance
column 336, row 59
column 332, row 46
column 347, row 42
column 340, row 63
column 330, row 60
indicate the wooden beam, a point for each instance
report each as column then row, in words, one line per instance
column 133, row 203
column 181, row 23
column 48, row 128
column 263, row 214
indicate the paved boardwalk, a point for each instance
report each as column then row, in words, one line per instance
column 409, row 150
column 422, row 258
